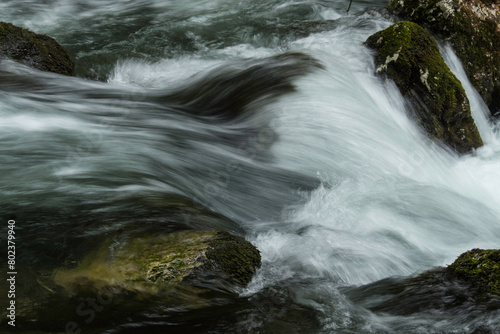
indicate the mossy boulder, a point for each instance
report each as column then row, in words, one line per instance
column 183, row 257
column 469, row 288
column 38, row 51
column 479, row 266
column 473, row 29
column 128, row 275
column 407, row 54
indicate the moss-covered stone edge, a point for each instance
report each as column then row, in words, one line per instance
column 406, row 53
column 474, row 41
column 181, row 257
column 233, row 255
column 35, row 50
column 480, row 267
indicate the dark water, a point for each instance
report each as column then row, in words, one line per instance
column 262, row 118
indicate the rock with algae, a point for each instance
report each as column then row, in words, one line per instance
column 470, row 286
column 473, row 29
column 480, row 267
column 407, row 54
column 38, row 51
column 130, row 275
column 185, row 257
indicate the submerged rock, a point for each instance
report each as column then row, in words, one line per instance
column 131, row 276
column 38, row 51
column 226, row 92
column 407, row 54
column 473, row 29
column 186, row 257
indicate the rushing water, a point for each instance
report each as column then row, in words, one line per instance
column 266, row 112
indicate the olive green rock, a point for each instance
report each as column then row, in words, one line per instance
column 473, row 29
column 184, row 257
column 407, row 54
column 479, row 266
column 38, row 51
column 129, row 275
column 188, row 255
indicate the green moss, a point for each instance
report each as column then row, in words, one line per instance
column 235, row 256
column 173, row 257
column 481, row 267
column 37, row 51
column 474, row 39
column 186, row 255
column 406, row 53
column 179, row 257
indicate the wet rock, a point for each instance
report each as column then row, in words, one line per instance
column 473, row 29
column 479, row 267
column 226, row 92
column 162, row 274
column 468, row 290
column 38, row 51
column 186, row 257
column 407, row 54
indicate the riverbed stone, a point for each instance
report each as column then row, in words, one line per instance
column 183, row 257
column 473, row 29
column 407, row 54
column 127, row 274
column 35, row 50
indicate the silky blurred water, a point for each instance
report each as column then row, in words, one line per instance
column 332, row 182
